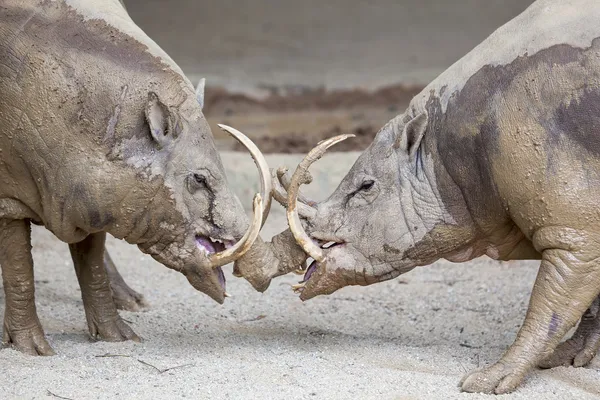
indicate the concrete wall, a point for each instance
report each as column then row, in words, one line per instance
column 337, row 43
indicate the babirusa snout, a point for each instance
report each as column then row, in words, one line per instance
column 302, row 176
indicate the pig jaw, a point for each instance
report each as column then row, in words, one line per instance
column 344, row 266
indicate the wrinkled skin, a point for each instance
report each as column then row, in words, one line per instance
column 499, row 156
column 390, row 181
column 100, row 132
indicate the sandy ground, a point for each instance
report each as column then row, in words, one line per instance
column 409, row 338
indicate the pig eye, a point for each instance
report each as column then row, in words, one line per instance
column 366, row 193
column 200, row 179
column 196, row 181
column 367, row 185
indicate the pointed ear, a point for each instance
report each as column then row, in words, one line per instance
column 200, row 92
column 412, row 134
column 163, row 124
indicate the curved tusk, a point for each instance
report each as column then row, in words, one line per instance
column 260, row 208
column 285, row 180
column 266, row 185
column 279, row 192
column 243, row 245
column 300, row 176
column 280, row 195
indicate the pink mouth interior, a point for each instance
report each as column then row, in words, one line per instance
column 210, row 246
column 313, row 265
column 309, row 271
column 221, row 277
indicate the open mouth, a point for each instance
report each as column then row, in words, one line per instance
column 312, row 267
column 209, row 245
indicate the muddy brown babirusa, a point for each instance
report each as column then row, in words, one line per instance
column 498, row 156
column 101, row 132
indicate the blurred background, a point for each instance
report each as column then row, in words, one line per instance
column 289, row 73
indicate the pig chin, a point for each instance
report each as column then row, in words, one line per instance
column 337, row 270
column 201, row 275
column 192, row 260
column 208, row 281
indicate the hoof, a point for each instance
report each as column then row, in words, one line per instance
column 113, row 331
column 128, row 299
column 500, row 378
column 29, row 341
column 576, row 352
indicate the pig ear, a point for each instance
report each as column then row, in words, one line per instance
column 412, row 134
column 200, row 92
column 162, row 123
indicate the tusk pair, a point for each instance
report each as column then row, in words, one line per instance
column 302, row 176
column 261, row 204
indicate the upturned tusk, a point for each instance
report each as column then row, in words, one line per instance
column 300, row 176
column 280, row 195
column 266, row 185
column 285, row 181
column 243, row 245
column 260, row 208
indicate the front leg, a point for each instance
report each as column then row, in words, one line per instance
column 22, row 328
column 567, row 283
column 100, row 309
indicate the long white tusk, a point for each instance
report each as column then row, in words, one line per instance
column 280, row 195
column 284, row 180
column 266, row 185
column 260, row 208
column 301, row 176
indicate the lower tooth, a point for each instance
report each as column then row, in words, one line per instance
column 298, row 287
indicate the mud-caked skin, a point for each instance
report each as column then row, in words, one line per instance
column 268, row 260
column 100, row 132
column 499, row 156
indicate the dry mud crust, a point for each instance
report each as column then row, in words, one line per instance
column 413, row 337
column 293, row 119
